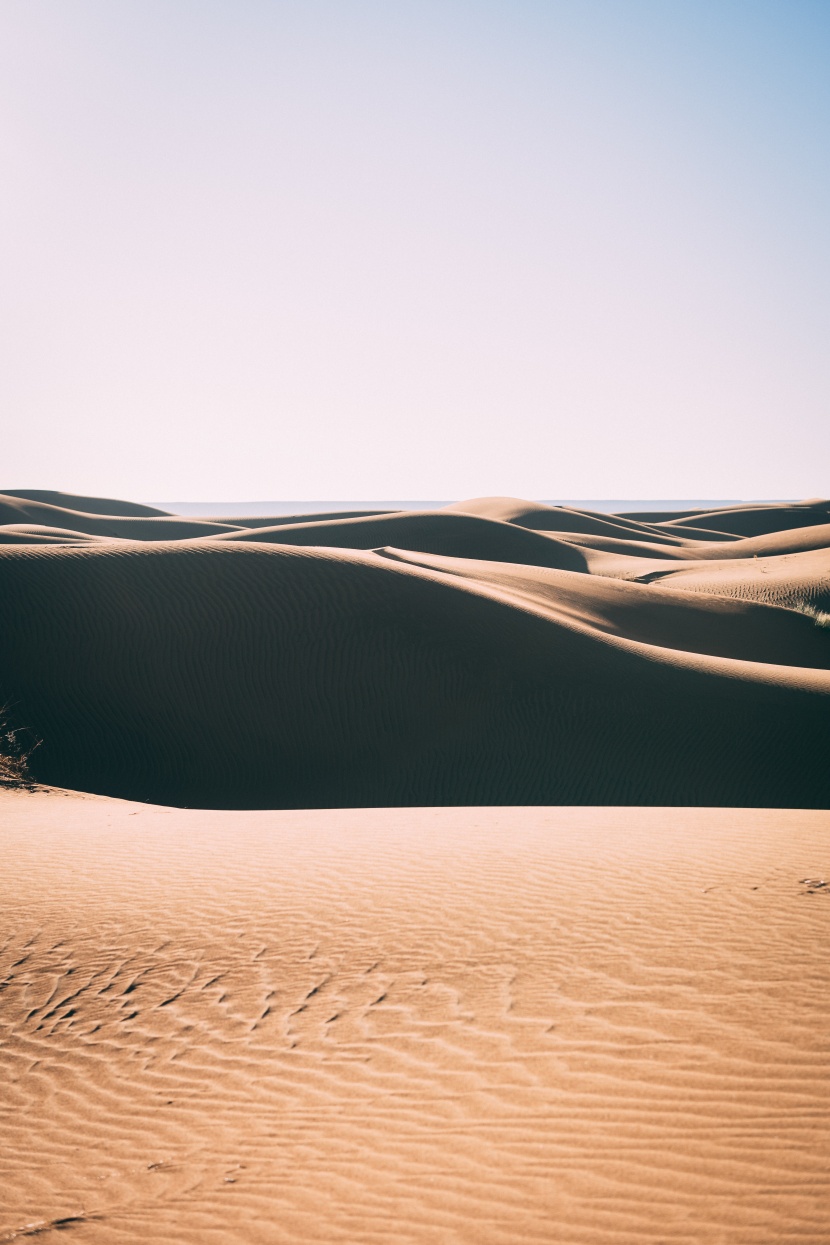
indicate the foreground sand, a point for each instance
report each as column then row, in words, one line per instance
column 492, row 1026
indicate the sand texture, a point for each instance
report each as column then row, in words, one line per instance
column 494, row 652
column 485, row 1026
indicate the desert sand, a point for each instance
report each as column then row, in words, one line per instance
column 484, row 1026
column 495, row 652
column 314, row 927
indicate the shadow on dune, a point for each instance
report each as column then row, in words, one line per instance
column 476, row 655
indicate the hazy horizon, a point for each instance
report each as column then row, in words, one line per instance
column 241, row 509
column 314, row 249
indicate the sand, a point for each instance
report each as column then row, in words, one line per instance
column 495, row 652
column 391, row 878
column 493, row 1026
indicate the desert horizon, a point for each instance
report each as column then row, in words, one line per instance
column 410, row 875
column 415, row 830
column 231, row 508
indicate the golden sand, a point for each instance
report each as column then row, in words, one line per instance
column 470, row 1025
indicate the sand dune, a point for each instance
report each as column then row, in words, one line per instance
column 791, row 540
column 41, row 534
column 29, row 499
column 788, row 579
column 715, row 624
column 536, row 516
column 455, row 535
column 480, row 1026
column 496, row 652
column 352, row 1021
column 757, row 520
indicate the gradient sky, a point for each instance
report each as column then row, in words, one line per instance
column 266, row 249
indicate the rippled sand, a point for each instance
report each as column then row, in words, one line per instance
column 480, row 1025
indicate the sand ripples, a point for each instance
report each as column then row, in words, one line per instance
column 390, row 1025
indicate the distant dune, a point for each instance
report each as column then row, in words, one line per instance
column 497, row 651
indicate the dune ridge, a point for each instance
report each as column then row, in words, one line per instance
column 495, row 652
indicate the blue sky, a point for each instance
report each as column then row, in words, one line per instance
column 310, row 250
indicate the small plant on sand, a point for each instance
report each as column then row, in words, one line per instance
column 14, row 757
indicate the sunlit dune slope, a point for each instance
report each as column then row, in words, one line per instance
column 453, row 657
column 439, row 532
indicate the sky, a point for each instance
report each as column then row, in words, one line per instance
column 415, row 248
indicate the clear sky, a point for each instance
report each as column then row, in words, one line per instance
column 430, row 248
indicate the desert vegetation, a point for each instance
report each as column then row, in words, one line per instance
column 15, row 751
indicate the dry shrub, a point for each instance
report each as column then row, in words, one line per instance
column 14, row 756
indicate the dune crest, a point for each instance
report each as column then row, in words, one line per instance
column 495, row 652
